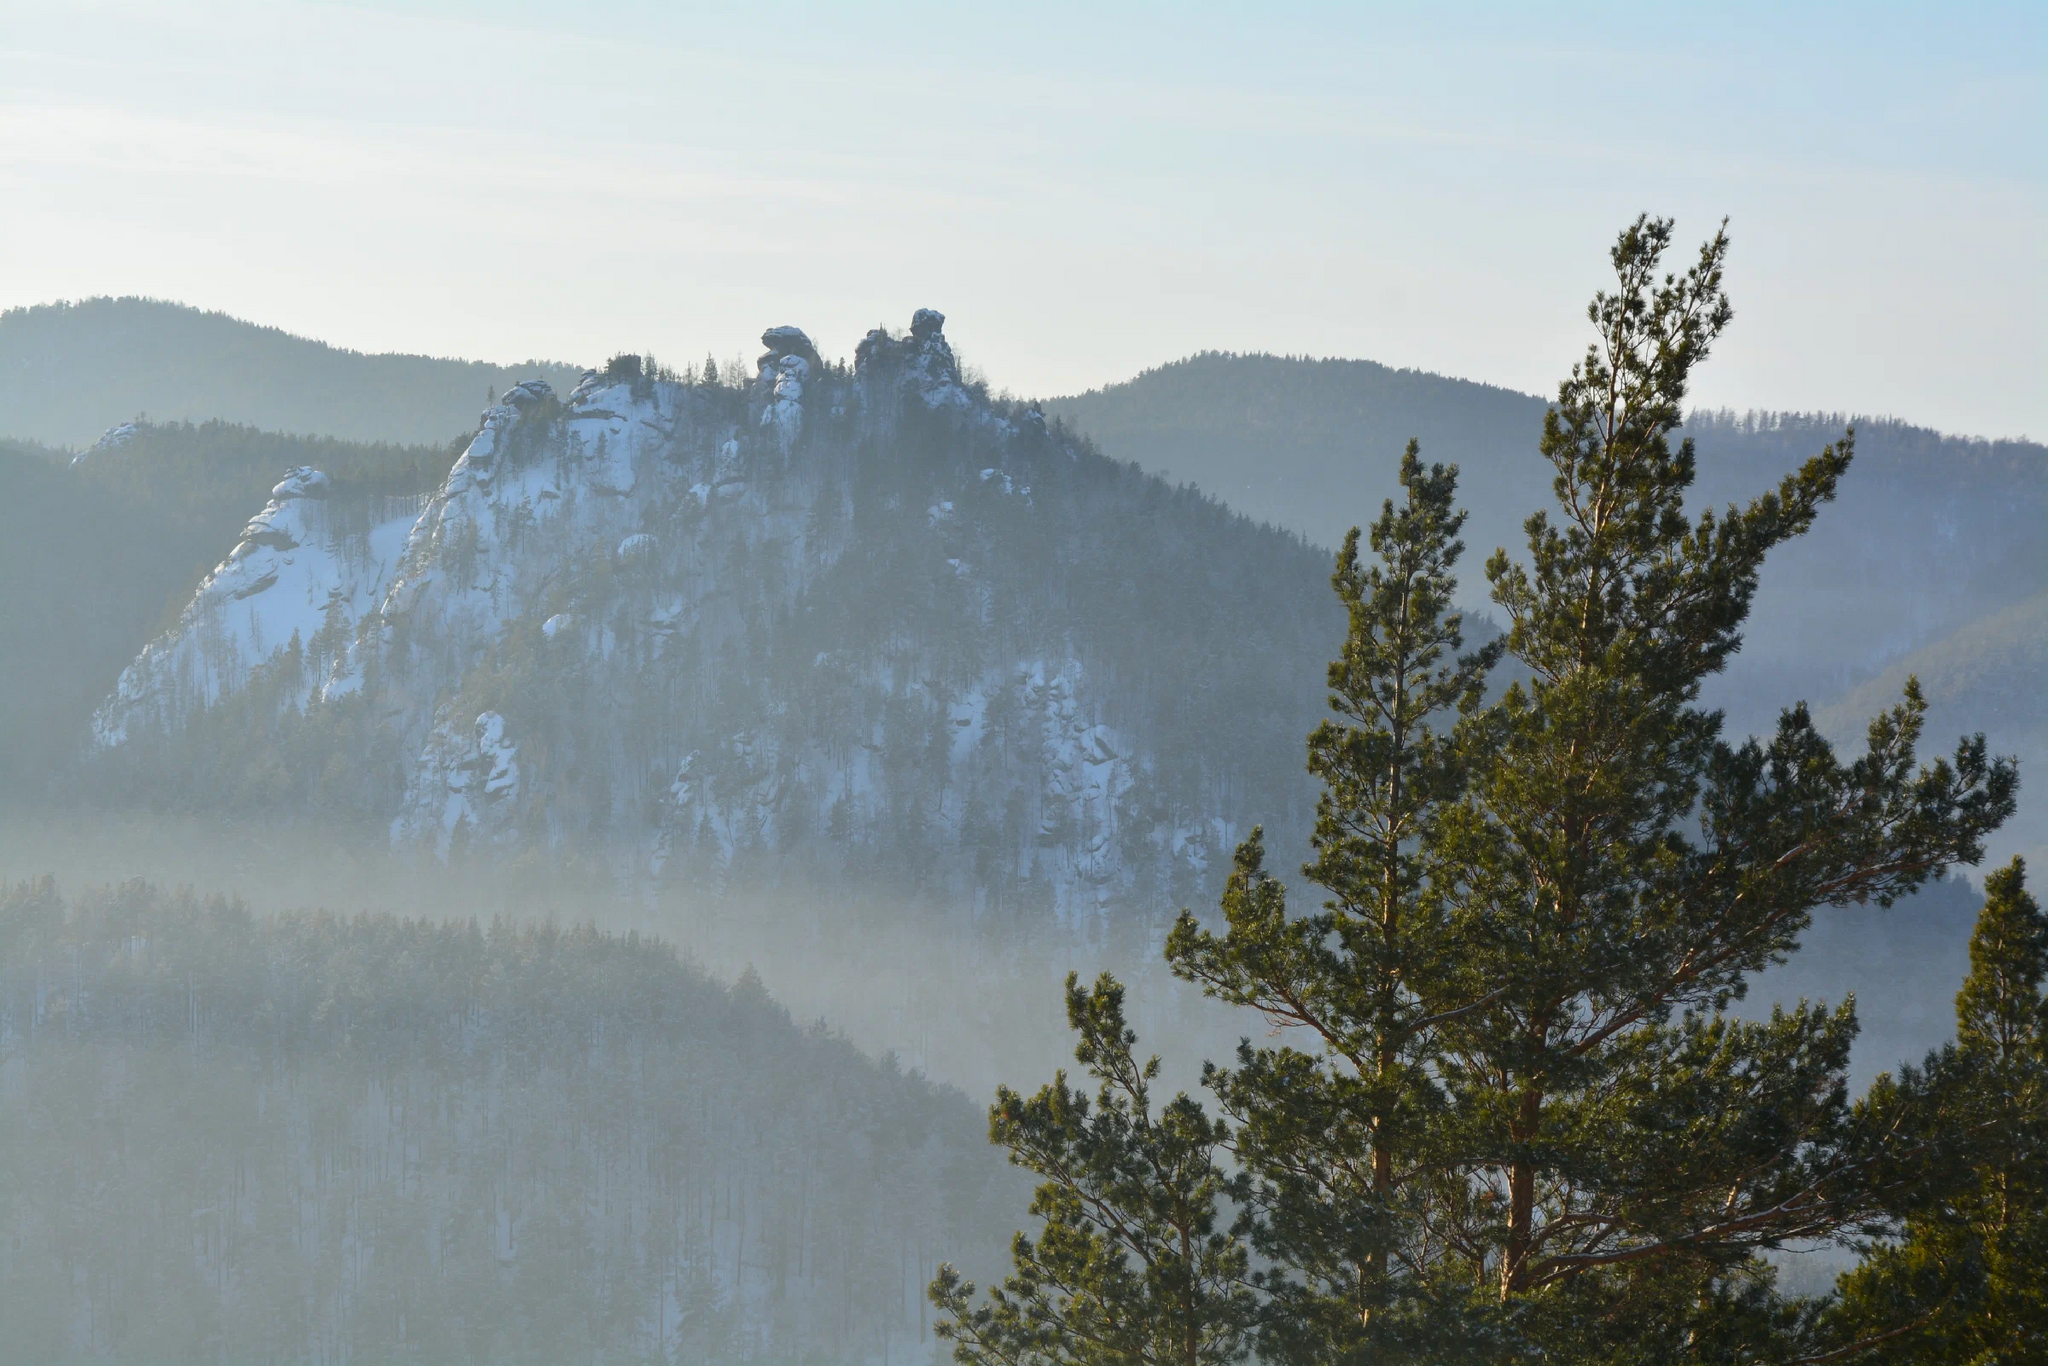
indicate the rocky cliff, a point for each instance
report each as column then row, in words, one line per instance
column 861, row 621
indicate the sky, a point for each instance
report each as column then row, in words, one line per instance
column 1084, row 190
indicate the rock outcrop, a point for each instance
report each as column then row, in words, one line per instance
column 293, row 582
column 858, row 622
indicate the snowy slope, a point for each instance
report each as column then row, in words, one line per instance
column 294, row 579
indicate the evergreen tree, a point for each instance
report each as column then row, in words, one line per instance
column 1328, row 1135
column 1615, row 869
column 1965, row 1286
column 1525, row 1081
column 1131, row 1268
column 1524, row 1122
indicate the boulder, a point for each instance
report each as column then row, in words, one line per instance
column 787, row 341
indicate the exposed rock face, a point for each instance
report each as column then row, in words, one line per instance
column 291, row 581
column 788, row 341
column 826, row 622
column 467, row 781
column 923, row 361
column 779, row 390
column 112, row 440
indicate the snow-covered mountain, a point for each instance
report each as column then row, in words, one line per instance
column 860, row 621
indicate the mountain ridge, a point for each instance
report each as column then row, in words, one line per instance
column 924, row 624
column 72, row 370
column 1927, row 532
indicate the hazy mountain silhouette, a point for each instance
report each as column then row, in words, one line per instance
column 69, row 371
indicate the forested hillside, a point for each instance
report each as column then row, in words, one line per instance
column 1929, row 534
column 855, row 624
column 1989, row 672
column 1305, row 443
column 361, row 1138
column 70, row 371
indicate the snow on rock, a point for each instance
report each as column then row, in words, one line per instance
column 731, row 465
column 779, row 384
column 1075, row 779
column 292, row 580
column 498, row 765
column 788, row 341
column 111, row 440
column 525, row 494
column 678, row 802
column 1087, row 771
column 1005, row 483
column 936, row 372
column 785, row 415
column 467, row 777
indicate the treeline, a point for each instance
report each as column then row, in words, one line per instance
column 311, row 1137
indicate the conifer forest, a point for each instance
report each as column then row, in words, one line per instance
column 1368, row 752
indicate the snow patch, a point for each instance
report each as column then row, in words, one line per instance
column 113, row 439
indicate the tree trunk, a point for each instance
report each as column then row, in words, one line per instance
column 1521, row 1197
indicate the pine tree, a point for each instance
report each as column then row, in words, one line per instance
column 1965, row 1286
column 1615, row 869
column 1328, row 1132
column 1525, row 1080
column 1525, row 1123
column 1131, row 1268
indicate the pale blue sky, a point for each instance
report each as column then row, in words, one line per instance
column 1084, row 189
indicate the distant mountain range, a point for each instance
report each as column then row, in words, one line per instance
column 70, row 371
column 1930, row 530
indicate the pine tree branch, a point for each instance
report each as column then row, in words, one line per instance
column 1875, row 1340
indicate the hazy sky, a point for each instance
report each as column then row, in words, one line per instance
column 1085, row 190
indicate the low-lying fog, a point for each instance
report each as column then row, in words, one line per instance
column 968, row 1003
